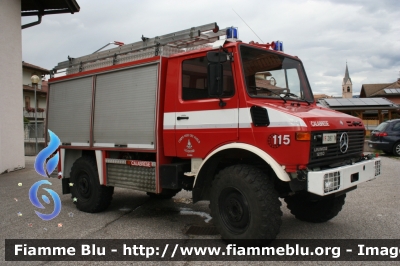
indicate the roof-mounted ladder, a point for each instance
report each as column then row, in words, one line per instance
column 161, row 45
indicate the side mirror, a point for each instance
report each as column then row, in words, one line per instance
column 217, row 57
column 215, row 79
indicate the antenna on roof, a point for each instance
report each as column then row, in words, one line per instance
column 248, row 25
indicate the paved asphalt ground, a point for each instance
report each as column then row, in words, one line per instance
column 371, row 212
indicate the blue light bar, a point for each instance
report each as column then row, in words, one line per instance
column 232, row 33
column 278, row 46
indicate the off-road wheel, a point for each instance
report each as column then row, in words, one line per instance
column 244, row 204
column 87, row 193
column 165, row 194
column 317, row 211
column 396, row 149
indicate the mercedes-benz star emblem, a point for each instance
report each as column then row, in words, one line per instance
column 344, row 142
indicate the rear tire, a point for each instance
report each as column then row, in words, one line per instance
column 396, row 149
column 244, row 204
column 88, row 194
column 314, row 211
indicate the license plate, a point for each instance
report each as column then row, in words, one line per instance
column 328, row 138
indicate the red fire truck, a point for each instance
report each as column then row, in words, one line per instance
column 236, row 123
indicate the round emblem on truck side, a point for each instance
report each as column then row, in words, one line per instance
column 344, row 142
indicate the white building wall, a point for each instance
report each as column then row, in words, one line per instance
column 11, row 116
column 26, row 76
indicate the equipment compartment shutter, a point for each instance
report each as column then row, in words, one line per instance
column 69, row 110
column 125, row 108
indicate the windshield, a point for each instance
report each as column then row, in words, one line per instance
column 270, row 75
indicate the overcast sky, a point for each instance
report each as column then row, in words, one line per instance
column 324, row 34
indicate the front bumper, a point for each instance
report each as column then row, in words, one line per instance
column 334, row 180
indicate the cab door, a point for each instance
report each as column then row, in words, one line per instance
column 202, row 123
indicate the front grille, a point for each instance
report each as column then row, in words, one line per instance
column 325, row 154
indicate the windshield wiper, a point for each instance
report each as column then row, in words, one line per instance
column 271, row 91
column 288, row 94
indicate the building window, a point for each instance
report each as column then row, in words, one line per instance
column 194, row 79
column 27, row 102
column 348, row 89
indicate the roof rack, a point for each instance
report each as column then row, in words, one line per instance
column 165, row 45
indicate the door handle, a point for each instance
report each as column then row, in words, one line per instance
column 182, row 117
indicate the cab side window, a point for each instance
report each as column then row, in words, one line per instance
column 194, row 79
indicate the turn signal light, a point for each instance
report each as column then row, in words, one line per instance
column 303, row 136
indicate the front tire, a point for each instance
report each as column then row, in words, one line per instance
column 319, row 211
column 88, row 194
column 244, row 204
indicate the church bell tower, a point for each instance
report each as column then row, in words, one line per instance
column 347, row 85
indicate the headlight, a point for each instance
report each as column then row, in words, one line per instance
column 331, row 182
